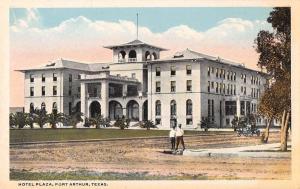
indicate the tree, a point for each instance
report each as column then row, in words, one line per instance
column 19, row 119
column 274, row 50
column 55, row 118
column 74, row 118
column 122, row 123
column 148, row 124
column 99, row 121
column 30, row 120
column 40, row 117
column 12, row 121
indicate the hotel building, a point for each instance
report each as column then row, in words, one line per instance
column 184, row 88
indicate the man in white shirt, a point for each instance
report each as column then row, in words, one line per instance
column 172, row 135
column 179, row 137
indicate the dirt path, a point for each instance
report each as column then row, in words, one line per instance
column 145, row 155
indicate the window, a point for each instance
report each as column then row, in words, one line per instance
column 189, row 121
column 231, row 76
column 31, row 91
column 230, row 107
column 217, row 72
column 79, row 76
column 224, row 88
column 234, row 89
column 54, row 77
column 217, row 87
column 54, row 90
column 173, row 108
column 43, row 91
column 43, row 78
column 189, row 85
column 210, row 110
column 70, row 90
column 54, row 108
column 242, row 103
column 228, row 88
column 173, row 70
column 31, row 109
column 70, row 77
column 234, row 76
column 157, row 108
column 31, row 78
column 245, row 90
column 189, row 107
column 245, row 78
column 157, row 73
column 208, row 71
column 43, row 106
column 70, row 108
column 231, row 89
column 157, row 86
column 212, row 85
column 251, row 79
column 208, row 87
column 228, row 75
column 188, row 70
column 157, row 121
column 173, row 86
column 133, row 75
column 78, row 89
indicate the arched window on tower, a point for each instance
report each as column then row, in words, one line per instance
column 147, row 55
column 121, row 56
column 132, row 56
column 154, row 56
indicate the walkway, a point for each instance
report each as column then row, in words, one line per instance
column 255, row 151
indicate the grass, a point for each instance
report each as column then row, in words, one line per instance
column 92, row 175
column 35, row 135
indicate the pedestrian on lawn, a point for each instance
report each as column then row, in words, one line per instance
column 179, row 137
column 172, row 135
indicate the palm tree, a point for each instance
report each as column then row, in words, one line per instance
column 148, row 124
column 19, row 119
column 55, row 118
column 74, row 118
column 122, row 123
column 30, row 119
column 40, row 117
column 99, row 121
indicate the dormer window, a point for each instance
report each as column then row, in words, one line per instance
column 132, row 56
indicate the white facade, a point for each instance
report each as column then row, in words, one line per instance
column 140, row 85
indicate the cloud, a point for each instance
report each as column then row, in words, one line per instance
column 83, row 39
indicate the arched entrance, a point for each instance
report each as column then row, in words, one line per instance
column 145, row 110
column 133, row 110
column 115, row 110
column 95, row 109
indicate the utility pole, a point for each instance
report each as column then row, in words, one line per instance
column 137, row 26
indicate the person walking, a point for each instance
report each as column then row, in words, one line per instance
column 179, row 137
column 172, row 135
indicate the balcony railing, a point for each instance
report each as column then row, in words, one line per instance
column 92, row 95
column 131, row 59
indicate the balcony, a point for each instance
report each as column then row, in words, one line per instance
column 93, row 96
column 131, row 59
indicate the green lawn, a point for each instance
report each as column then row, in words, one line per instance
column 32, row 135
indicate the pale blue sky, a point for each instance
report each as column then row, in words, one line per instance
column 156, row 19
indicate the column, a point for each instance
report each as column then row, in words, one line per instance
column 124, row 90
column 141, row 112
column 238, row 106
column 83, row 99
column 104, row 98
